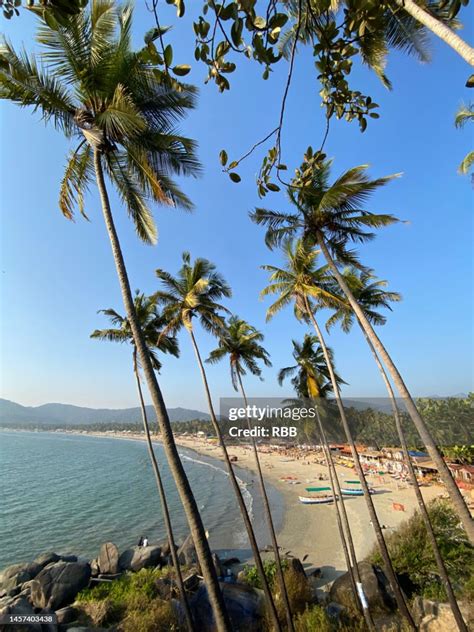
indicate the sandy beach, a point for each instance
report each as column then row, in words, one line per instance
column 311, row 530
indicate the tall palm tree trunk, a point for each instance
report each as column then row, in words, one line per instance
column 344, row 525
column 453, row 490
column 238, row 492
column 402, row 605
column 439, row 29
column 268, row 516
column 419, row 497
column 184, row 489
column 164, row 502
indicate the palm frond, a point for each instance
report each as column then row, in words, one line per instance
column 75, row 182
column 22, row 82
column 132, row 196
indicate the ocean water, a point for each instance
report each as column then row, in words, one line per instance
column 70, row 493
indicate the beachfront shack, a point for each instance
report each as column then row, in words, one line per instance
column 463, row 475
column 371, row 457
column 425, row 468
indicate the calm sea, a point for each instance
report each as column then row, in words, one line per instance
column 70, row 493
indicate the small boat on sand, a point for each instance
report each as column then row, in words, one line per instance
column 318, row 489
column 346, row 491
column 316, row 500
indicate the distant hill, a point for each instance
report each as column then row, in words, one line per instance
column 68, row 415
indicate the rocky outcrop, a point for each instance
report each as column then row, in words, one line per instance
column 433, row 616
column 47, row 558
column 244, row 604
column 58, row 584
column 66, row 615
column 140, row 557
column 376, row 587
column 108, row 561
column 14, row 576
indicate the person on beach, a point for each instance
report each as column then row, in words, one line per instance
column 145, row 542
column 140, row 541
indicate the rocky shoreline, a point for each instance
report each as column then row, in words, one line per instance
column 49, row 585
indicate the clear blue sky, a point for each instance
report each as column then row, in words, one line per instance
column 56, row 274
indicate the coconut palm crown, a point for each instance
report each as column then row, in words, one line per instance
column 301, row 280
column 152, row 323
column 369, row 292
column 241, row 342
column 193, row 294
column 310, row 374
column 334, row 211
column 101, row 94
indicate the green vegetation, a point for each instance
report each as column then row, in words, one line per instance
column 132, row 603
column 252, row 578
column 413, row 557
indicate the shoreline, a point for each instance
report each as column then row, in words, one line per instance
column 309, row 531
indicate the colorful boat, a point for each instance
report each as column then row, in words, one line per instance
column 316, row 500
column 347, row 491
column 318, row 489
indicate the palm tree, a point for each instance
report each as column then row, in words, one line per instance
column 241, row 342
column 312, row 381
column 371, row 294
column 300, row 282
column 193, row 295
column 101, row 93
column 464, row 115
column 403, row 26
column 151, row 323
column 431, row 21
column 330, row 216
column 311, row 378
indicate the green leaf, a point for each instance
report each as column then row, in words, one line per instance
column 234, row 176
column 153, row 34
column 278, row 20
column 180, row 8
column 470, row 82
column 260, row 23
column 273, row 187
column 223, row 157
column 222, row 48
column 236, row 31
column 181, row 70
column 169, row 55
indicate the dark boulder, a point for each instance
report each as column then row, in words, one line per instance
column 140, row 557
column 58, row 584
column 20, row 606
column 376, row 587
column 47, row 558
column 244, row 604
column 297, row 567
column 13, row 576
column 165, row 549
column 68, row 558
column 66, row 615
column 109, row 558
column 231, row 561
